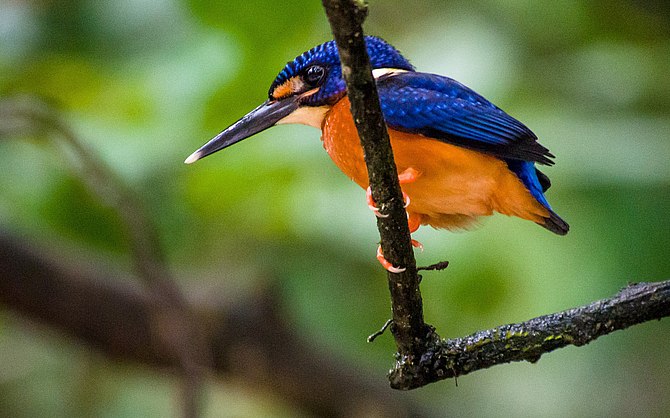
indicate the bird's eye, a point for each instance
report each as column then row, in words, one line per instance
column 314, row 75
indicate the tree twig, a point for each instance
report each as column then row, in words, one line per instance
column 409, row 329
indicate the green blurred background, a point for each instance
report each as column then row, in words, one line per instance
column 145, row 83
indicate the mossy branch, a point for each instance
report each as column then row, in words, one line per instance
column 443, row 359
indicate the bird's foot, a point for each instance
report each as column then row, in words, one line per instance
column 375, row 209
column 407, row 176
column 390, row 267
column 371, row 204
column 414, row 222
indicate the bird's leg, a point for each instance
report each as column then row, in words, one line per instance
column 413, row 218
column 414, row 222
column 408, row 176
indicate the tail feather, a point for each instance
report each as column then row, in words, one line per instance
column 555, row 224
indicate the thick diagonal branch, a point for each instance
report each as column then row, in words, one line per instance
column 409, row 330
column 248, row 339
column 443, row 359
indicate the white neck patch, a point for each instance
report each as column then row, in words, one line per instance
column 378, row 72
column 307, row 115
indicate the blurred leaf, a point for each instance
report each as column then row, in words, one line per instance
column 70, row 80
column 266, row 20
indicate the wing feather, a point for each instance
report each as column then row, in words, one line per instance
column 441, row 108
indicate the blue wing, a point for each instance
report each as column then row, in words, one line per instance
column 441, row 108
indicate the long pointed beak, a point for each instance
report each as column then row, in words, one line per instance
column 259, row 119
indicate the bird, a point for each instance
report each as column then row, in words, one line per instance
column 460, row 157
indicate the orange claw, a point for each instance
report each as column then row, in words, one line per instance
column 388, row 266
column 407, row 176
column 371, row 204
column 375, row 209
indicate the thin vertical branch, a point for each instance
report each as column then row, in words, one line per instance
column 409, row 330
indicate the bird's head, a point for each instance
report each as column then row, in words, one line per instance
column 303, row 92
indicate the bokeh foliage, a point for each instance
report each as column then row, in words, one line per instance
column 146, row 83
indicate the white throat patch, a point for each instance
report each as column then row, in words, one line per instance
column 307, row 115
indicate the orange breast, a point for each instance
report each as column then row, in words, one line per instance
column 454, row 186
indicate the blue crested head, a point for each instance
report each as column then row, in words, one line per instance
column 317, row 75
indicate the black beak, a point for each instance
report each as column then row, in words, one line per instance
column 259, row 119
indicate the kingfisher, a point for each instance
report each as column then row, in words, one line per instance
column 459, row 156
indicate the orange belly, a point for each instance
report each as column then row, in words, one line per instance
column 454, row 185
